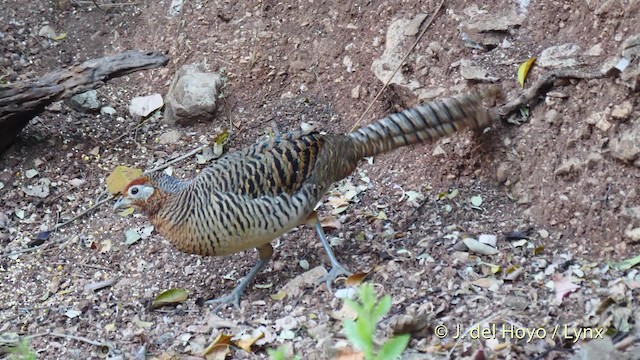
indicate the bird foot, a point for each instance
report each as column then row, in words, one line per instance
column 231, row 298
column 336, row 270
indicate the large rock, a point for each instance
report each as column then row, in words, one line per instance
column 626, row 146
column 86, row 102
column 488, row 30
column 193, row 96
column 560, row 56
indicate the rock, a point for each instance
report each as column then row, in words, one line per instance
column 396, row 45
column 144, row 105
column 47, row 32
column 488, row 30
column 55, row 107
column 355, row 92
column 175, row 7
column 438, row 151
column 560, row 56
column 170, row 137
column 633, row 234
column 632, row 212
column 412, row 28
column 502, row 173
column 107, row 110
column 626, row 147
column 571, row 165
column 593, row 159
column 40, row 189
column 87, row 102
column 430, row 94
column 622, row 111
column 608, row 68
column 603, row 124
column 631, row 77
column 595, row 50
column 631, row 47
column 552, row 116
column 300, row 65
column 4, row 220
column 193, row 95
column 471, row 72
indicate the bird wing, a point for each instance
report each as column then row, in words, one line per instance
column 269, row 168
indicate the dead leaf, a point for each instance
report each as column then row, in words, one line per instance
column 347, row 353
column 141, row 324
column 523, row 70
column 279, row 295
column 170, row 297
column 356, row 279
column 246, row 343
column 479, row 248
column 75, row 182
column 563, row 286
column 121, row 177
column 219, row 349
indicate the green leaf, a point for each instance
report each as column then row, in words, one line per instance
column 626, row 264
column 382, row 308
column 170, row 297
column 392, row 349
column 354, row 335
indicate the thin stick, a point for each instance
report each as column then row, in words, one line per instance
column 79, row 338
column 169, row 163
column 468, row 330
column 96, row 205
column 538, row 88
column 399, row 65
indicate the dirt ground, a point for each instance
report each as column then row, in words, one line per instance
column 562, row 229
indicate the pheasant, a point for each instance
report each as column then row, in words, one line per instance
column 250, row 197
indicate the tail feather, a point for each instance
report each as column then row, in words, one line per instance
column 427, row 122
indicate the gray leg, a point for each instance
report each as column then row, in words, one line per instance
column 265, row 252
column 336, row 268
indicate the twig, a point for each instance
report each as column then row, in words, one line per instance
column 99, row 285
column 96, row 205
column 80, row 338
column 135, row 128
column 399, row 65
column 35, row 248
column 466, row 332
column 540, row 86
column 180, row 158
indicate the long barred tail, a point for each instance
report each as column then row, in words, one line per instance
column 427, row 122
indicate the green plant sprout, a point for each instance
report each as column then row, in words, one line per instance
column 361, row 332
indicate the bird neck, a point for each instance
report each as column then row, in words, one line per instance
column 155, row 202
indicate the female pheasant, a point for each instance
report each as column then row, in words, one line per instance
column 250, row 197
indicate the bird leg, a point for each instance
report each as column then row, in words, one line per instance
column 336, row 268
column 264, row 255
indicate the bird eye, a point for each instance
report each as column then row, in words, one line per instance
column 134, row 191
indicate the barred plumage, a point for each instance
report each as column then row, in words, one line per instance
column 249, row 197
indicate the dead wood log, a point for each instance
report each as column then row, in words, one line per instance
column 21, row 101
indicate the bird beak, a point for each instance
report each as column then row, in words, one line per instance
column 122, row 202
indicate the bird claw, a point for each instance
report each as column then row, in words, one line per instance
column 335, row 271
column 231, row 298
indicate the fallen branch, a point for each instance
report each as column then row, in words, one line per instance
column 539, row 87
column 21, row 101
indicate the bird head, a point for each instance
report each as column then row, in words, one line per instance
column 136, row 194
